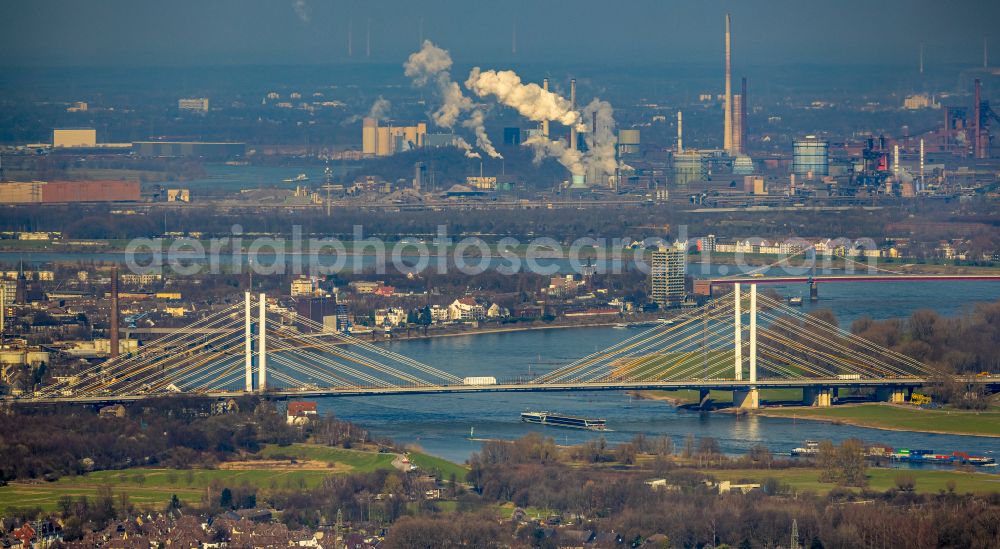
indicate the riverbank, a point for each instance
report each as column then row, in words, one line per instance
column 289, row 249
column 926, row 481
column 687, row 397
column 890, row 417
column 497, row 330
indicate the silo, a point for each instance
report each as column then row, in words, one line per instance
column 811, row 156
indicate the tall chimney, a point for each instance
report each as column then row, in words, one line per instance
column 947, row 129
column 680, row 132
column 572, row 100
column 368, row 39
column 545, row 123
column 744, row 106
column 737, row 124
column 350, row 38
column 921, row 164
column 114, row 312
column 976, row 114
column 727, row 138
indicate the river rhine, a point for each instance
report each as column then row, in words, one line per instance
column 441, row 424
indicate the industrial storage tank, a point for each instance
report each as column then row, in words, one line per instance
column 690, row 166
column 628, row 141
column 811, row 157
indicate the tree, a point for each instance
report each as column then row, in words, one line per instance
column 761, row 455
column 688, row 446
column 826, row 460
column 664, row 446
column 852, row 463
column 709, row 446
column 906, row 482
column 226, row 498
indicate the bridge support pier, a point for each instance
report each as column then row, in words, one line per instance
column 704, row 395
column 262, row 346
column 247, row 344
column 821, row 397
column 894, row 395
column 813, row 291
column 746, row 399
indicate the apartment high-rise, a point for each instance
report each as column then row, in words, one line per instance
column 667, row 270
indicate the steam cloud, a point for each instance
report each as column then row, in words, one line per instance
column 530, row 100
column 546, row 148
column 465, row 146
column 602, row 143
column 380, row 108
column 430, row 67
column 475, row 122
column 302, row 10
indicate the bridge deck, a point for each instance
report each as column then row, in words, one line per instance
column 711, row 384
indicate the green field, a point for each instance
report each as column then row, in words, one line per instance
column 438, row 467
column 878, row 479
column 356, row 460
column 884, row 416
column 153, row 487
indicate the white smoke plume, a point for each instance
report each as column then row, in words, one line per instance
column 302, row 10
column 427, row 64
column 465, row 146
column 453, row 104
column 380, row 108
column 545, row 148
column 430, row 67
column 602, row 143
column 475, row 122
column 530, row 100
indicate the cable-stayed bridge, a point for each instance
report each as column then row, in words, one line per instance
column 741, row 342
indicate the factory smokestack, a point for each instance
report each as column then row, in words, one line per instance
column 545, row 123
column 744, row 105
column 737, row 125
column 727, row 139
column 921, row 164
column 680, row 132
column 895, row 161
column 114, row 312
column 976, row 117
column 572, row 102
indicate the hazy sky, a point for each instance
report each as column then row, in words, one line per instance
column 209, row 32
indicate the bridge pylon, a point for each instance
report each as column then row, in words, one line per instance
column 248, row 343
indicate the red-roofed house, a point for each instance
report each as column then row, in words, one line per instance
column 300, row 411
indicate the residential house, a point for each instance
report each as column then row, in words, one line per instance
column 440, row 314
column 466, row 309
column 300, row 412
column 393, row 316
